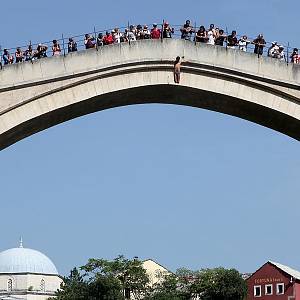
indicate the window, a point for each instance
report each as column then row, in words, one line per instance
column 42, row 286
column 257, row 291
column 269, row 289
column 280, row 288
column 9, row 285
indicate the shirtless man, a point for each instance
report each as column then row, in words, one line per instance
column 177, row 65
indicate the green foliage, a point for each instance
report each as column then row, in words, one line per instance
column 130, row 274
column 220, row 284
column 111, row 280
column 105, row 280
column 169, row 287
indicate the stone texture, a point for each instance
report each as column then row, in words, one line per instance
column 35, row 96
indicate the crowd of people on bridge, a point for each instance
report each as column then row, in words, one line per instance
column 211, row 35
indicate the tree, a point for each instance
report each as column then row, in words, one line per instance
column 73, row 288
column 169, row 287
column 128, row 275
column 220, row 284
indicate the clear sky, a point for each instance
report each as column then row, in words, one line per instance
column 184, row 186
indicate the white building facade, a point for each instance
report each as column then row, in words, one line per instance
column 27, row 274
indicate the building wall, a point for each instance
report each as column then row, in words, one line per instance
column 22, row 283
column 155, row 271
column 270, row 275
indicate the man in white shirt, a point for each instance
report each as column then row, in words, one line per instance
column 273, row 50
column 243, row 43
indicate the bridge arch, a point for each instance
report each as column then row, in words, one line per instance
column 35, row 96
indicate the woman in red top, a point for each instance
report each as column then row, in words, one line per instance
column 108, row 38
column 155, row 32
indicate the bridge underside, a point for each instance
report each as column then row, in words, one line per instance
column 166, row 94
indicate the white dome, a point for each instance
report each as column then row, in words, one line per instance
column 24, row 260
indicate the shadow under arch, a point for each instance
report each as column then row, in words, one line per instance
column 163, row 94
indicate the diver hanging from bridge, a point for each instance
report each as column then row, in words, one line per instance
column 177, row 67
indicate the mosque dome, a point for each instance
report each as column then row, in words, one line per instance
column 24, row 260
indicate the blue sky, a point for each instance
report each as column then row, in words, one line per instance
column 184, row 186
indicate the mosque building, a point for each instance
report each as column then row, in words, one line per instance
column 27, row 274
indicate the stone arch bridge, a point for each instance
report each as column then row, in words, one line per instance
column 35, row 96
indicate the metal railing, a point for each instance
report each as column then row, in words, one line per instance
column 63, row 41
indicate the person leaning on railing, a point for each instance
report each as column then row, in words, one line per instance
column 7, row 58
column 146, row 33
column 201, row 35
column 117, row 36
column 139, row 32
column 72, row 45
column 29, row 54
column 295, row 57
column 187, row 31
column 19, row 55
column 108, row 38
column 155, row 32
column 167, row 30
column 89, row 41
column 280, row 54
column 211, row 35
column 221, row 38
column 55, row 48
column 273, row 50
column 232, row 41
column 259, row 44
column 41, row 51
column 243, row 43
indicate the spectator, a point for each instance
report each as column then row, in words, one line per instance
column 211, row 33
column 7, row 58
column 213, row 29
column 273, row 50
column 41, row 51
column 133, row 29
column 295, row 56
column 89, row 41
column 232, row 40
column 146, row 33
column 72, row 45
column 201, row 35
column 29, row 54
column 130, row 34
column 100, row 40
column 167, row 30
column 155, row 32
column 139, row 32
column 243, row 43
column 187, row 30
column 117, row 36
column 125, row 35
column 108, row 38
column 19, row 55
column 259, row 43
column 55, row 48
column 280, row 55
column 220, row 38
